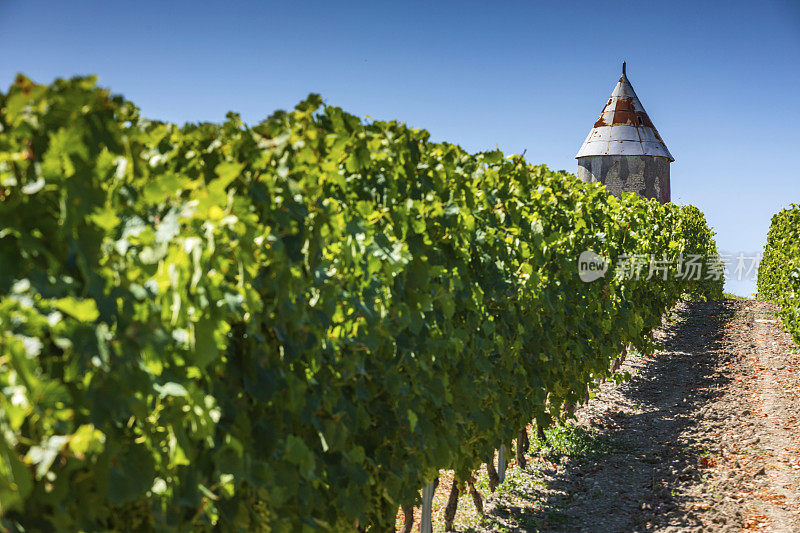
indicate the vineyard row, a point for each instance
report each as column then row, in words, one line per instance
column 293, row 325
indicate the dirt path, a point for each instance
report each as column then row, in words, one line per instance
column 704, row 437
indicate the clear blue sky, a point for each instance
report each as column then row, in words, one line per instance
column 721, row 81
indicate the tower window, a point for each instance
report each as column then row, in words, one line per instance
column 641, row 122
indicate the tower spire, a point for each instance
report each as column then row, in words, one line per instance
column 624, row 127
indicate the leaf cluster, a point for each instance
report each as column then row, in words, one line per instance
column 779, row 270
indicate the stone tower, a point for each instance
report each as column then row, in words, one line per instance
column 624, row 151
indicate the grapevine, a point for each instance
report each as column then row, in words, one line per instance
column 290, row 325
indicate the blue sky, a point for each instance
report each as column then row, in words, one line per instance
column 721, row 81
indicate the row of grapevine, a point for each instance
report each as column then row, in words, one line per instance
column 779, row 271
column 293, row 325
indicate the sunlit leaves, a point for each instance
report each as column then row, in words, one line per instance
column 81, row 310
column 779, row 270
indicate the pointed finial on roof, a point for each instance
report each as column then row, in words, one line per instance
column 623, row 68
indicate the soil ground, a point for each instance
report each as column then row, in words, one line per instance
column 704, row 437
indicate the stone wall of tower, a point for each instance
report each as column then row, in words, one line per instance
column 645, row 175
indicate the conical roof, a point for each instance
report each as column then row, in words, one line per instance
column 624, row 127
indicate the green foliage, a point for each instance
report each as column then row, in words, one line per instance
column 570, row 440
column 694, row 228
column 731, row 296
column 293, row 325
column 779, row 271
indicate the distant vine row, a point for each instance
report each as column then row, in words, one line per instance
column 779, row 271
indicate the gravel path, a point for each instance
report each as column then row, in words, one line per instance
column 704, row 437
